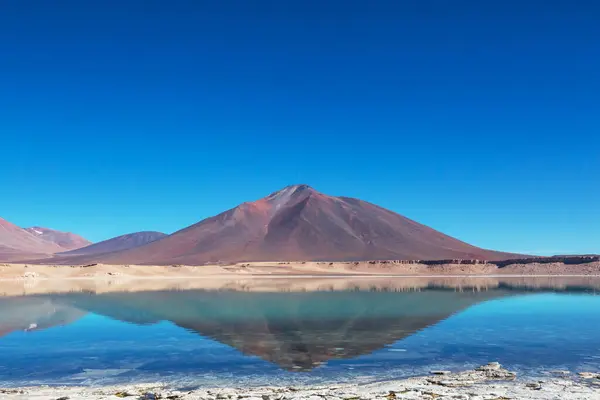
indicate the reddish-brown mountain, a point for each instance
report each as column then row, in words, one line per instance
column 16, row 243
column 66, row 240
column 299, row 223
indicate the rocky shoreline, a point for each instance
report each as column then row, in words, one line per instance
column 488, row 382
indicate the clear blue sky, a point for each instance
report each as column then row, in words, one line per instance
column 478, row 118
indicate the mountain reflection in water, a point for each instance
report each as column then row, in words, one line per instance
column 293, row 330
column 297, row 330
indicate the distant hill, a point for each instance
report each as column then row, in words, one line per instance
column 16, row 242
column 119, row 243
column 66, row 240
column 300, row 223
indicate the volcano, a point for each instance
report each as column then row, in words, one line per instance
column 299, row 223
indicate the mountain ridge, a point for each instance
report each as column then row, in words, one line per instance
column 295, row 223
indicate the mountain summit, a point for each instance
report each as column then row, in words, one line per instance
column 300, row 223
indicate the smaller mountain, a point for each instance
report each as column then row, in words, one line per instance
column 119, row 243
column 66, row 240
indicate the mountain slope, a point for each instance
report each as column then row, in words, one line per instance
column 66, row 240
column 16, row 242
column 299, row 223
column 119, row 243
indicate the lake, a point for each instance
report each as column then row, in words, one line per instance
column 296, row 331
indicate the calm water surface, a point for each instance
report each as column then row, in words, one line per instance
column 207, row 337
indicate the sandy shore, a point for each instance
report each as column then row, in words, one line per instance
column 22, row 279
column 16, row 271
column 489, row 382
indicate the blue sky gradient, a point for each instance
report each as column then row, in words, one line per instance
column 480, row 119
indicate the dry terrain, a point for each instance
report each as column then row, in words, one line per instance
column 17, row 279
column 312, row 268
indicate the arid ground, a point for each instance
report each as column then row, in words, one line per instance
column 16, row 279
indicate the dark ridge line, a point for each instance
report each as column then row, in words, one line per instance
column 568, row 260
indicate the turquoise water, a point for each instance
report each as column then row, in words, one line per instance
column 191, row 338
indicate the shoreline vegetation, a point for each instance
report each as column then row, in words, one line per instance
column 488, row 382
